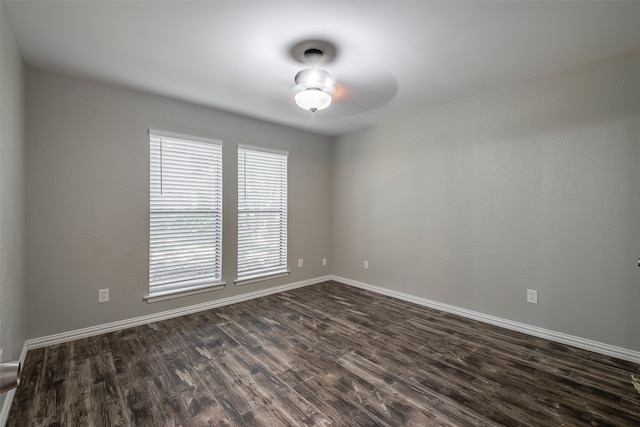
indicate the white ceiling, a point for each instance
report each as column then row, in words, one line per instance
column 393, row 57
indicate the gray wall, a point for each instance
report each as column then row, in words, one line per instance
column 12, row 253
column 88, row 198
column 531, row 186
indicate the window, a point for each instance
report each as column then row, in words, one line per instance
column 185, row 231
column 262, row 214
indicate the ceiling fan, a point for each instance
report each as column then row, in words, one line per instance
column 314, row 87
column 314, row 76
column 360, row 86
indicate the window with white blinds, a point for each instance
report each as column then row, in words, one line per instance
column 185, row 233
column 262, row 213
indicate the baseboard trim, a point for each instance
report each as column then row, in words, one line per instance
column 586, row 344
column 169, row 314
column 583, row 343
column 8, row 401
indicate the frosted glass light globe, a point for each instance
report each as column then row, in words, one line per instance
column 313, row 99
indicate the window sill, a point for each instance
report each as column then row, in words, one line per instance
column 255, row 279
column 179, row 294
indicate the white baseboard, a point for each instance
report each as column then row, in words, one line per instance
column 155, row 317
column 583, row 343
column 8, row 400
column 595, row 346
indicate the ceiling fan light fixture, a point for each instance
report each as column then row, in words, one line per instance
column 313, row 90
column 313, row 99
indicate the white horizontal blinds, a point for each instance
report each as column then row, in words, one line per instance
column 185, row 243
column 262, row 213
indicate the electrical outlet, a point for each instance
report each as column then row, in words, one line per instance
column 366, row 265
column 532, row 296
column 0, row 355
column 324, row 261
column 300, row 263
column 103, row 295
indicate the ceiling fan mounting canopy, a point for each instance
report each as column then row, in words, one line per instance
column 313, row 55
column 314, row 52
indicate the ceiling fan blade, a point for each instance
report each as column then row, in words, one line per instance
column 369, row 89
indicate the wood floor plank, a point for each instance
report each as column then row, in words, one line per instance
column 325, row 355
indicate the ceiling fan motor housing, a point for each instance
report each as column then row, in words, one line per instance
column 314, row 78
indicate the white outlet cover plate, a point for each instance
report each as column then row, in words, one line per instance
column 532, row 296
column 103, row 295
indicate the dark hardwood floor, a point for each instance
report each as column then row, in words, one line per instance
column 322, row 355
